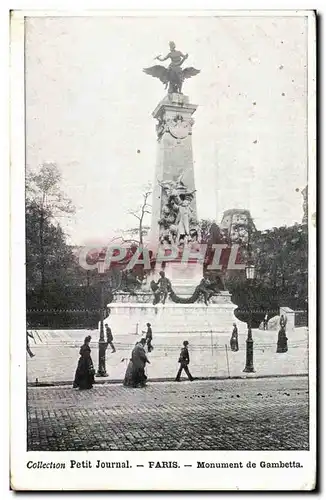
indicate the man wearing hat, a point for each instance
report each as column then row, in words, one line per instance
column 109, row 337
column 184, row 361
column 149, row 337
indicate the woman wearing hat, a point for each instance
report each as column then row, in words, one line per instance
column 84, row 377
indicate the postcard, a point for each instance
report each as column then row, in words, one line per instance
column 163, row 250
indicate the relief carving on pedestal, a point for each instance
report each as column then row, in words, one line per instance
column 178, row 126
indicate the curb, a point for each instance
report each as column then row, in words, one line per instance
column 120, row 381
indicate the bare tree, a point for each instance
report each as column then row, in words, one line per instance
column 140, row 214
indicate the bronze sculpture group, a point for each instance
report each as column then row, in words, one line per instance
column 177, row 224
column 162, row 289
column 173, row 76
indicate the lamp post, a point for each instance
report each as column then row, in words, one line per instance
column 102, row 344
column 250, row 275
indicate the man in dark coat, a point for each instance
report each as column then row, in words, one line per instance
column 149, row 337
column 184, row 361
column 109, row 337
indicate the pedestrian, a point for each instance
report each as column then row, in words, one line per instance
column 149, row 337
column 265, row 322
column 84, row 376
column 109, row 337
column 128, row 380
column 184, row 361
column 234, row 339
column 282, row 340
column 28, row 349
column 139, row 360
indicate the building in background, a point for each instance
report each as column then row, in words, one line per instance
column 237, row 224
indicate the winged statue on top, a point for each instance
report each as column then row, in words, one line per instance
column 173, row 76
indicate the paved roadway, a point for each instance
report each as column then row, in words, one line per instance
column 255, row 414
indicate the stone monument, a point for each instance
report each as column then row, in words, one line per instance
column 176, row 297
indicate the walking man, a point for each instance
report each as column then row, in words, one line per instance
column 184, row 361
column 109, row 337
column 149, row 337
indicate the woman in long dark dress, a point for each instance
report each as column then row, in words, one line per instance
column 128, row 380
column 234, row 339
column 135, row 373
column 84, row 377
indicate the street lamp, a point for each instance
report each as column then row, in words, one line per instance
column 250, row 275
column 102, row 344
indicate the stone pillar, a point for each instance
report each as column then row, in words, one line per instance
column 174, row 153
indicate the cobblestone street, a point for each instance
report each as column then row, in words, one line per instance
column 255, row 414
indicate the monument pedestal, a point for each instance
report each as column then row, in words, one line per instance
column 130, row 314
column 174, row 156
column 174, row 223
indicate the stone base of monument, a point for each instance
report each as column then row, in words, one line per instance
column 129, row 314
column 184, row 277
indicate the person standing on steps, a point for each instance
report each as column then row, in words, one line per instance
column 109, row 337
column 184, row 361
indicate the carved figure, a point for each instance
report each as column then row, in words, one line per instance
column 174, row 188
column 183, row 218
column 174, row 75
column 161, row 289
column 176, row 212
column 205, row 290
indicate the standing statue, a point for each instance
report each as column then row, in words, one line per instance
column 183, row 218
column 174, row 75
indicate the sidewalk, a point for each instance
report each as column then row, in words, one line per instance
column 57, row 352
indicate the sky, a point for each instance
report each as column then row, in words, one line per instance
column 89, row 105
